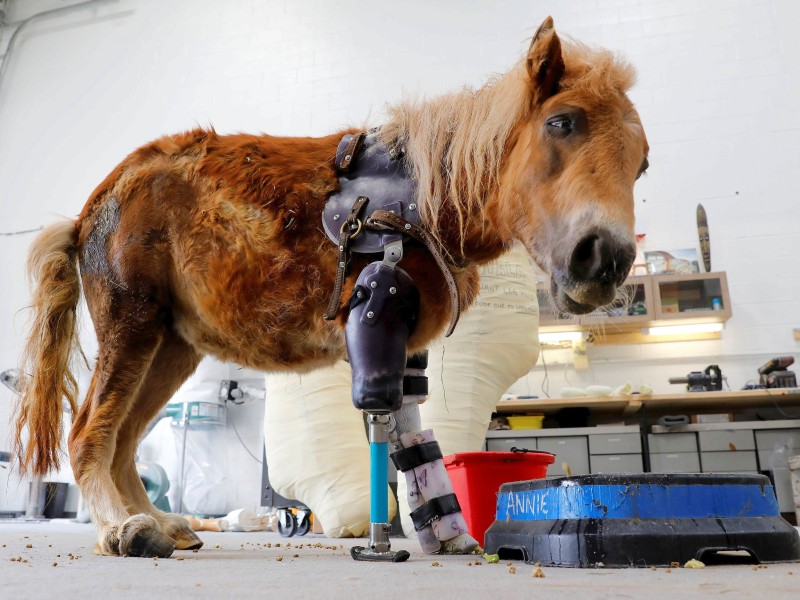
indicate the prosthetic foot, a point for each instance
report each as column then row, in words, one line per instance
column 379, row 547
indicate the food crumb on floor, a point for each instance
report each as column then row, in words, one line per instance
column 694, row 564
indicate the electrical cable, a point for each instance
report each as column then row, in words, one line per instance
column 780, row 410
column 545, row 381
column 21, row 232
column 567, row 365
column 21, row 26
column 444, row 389
column 183, row 464
column 236, row 431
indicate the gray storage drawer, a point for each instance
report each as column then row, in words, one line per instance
column 725, row 462
column 672, row 442
column 783, row 489
column 726, row 440
column 620, row 443
column 782, row 441
column 616, row 463
column 505, row 444
column 573, row 450
column 675, row 462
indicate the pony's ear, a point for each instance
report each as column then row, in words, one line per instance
column 545, row 63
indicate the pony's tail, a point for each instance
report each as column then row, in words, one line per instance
column 45, row 375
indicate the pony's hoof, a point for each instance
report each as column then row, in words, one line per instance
column 149, row 544
column 141, row 536
column 108, row 543
column 186, row 539
column 461, row 544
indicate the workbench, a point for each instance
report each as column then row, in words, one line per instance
column 724, row 401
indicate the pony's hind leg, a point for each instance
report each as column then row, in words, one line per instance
column 173, row 363
column 125, row 356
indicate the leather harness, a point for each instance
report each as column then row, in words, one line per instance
column 376, row 206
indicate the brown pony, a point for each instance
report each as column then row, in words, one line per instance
column 200, row 244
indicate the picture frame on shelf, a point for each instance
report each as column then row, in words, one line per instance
column 662, row 262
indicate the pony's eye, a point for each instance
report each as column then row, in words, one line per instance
column 560, row 125
column 643, row 168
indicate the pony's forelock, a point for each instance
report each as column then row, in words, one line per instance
column 596, row 71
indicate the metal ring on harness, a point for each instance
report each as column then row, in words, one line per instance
column 359, row 227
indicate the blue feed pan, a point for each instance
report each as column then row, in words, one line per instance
column 640, row 520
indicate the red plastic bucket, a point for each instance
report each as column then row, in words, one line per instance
column 477, row 477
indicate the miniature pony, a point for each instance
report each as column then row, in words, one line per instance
column 199, row 243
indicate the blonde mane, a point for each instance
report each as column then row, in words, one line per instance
column 456, row 143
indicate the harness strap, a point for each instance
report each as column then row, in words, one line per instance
column 352, row 150
column 383, row 220
column 434, row 509
column 415, row 385
column 350, row 229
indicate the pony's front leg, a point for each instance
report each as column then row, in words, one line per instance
column 435, row 511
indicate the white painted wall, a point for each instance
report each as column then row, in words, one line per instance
column 719, row 87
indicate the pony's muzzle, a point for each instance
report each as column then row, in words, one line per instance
column 597, row 265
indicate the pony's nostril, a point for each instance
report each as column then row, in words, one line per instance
column 599, row 257
column 624, row 257
column 587, row 258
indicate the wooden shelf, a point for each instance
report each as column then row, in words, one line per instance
column 548, row 406
column 680, row 403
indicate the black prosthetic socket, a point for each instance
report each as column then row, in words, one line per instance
column 383, row 313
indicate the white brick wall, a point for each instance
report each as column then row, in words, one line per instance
column 719, row 87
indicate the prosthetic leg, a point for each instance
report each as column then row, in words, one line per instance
column 383, row 313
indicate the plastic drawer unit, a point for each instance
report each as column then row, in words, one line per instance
column 616, row 452
column 674, row 453
column 774, row 447
column 505, row 444
column 728, row 451
column 572, row 455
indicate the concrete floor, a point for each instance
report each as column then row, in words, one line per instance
column 55, row 560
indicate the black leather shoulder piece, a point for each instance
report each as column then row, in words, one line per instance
column 383, row 178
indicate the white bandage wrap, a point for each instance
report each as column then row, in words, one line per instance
column 427, row 482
